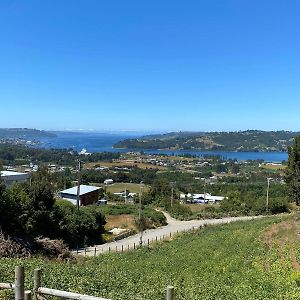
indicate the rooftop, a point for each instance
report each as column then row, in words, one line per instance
column 10, row 173
column 84, row 189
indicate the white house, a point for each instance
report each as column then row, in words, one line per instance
column 201, row 198
column 10, row 177
column 108, row 181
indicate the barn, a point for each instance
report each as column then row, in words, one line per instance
column 88, row 194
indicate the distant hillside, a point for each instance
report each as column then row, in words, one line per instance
column 250, row 140
column 24, row 133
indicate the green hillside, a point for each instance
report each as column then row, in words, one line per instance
column 24, row 133
column 250, row 140
column 244, row 260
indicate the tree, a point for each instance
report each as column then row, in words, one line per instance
column 292, row 172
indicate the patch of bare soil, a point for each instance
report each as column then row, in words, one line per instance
column 120, row 221
column 282, row 234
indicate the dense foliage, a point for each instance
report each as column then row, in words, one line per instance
column 225, row 262
column 292, row 174
column 29, row 210
column 20, row 154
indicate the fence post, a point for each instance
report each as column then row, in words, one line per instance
column 36, row 282
column 134, row 246
column 122, row 248
column 84, row 251
column 95, row 253
column 19, row 283
column 170, row 234
column 28, row 295
column 170, row 293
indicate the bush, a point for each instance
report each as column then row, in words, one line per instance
column 78, row 227
column 279, row 205
column 12, row 249
column 52, row 248
column 179, row 211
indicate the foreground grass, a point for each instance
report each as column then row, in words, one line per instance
column 224, row 262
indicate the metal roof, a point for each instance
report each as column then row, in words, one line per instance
column 84, row 189
column 11, row 173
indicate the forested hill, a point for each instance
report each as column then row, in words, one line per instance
column 24, row 133
column 250, row 140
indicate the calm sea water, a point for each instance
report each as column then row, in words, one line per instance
column 99, row 142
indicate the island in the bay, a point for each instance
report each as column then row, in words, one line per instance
column 249, row 140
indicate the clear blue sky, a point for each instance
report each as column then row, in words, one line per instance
column 150, row 65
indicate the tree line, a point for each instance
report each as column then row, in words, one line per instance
column 29, row 210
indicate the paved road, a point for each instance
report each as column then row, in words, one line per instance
column 152, row 235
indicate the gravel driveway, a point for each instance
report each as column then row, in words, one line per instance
column 152, row 235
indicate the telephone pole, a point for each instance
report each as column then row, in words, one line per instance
column 268, row 186
column 172, row 193
column 140, row 214
column 78, row 185
column 125, row 194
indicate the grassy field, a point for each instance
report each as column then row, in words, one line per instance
column 120, row 187
column 244, row 260
column 122, row 163
column 199, row 207
column 273, row 167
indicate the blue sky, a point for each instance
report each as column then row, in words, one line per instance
column 150, row 65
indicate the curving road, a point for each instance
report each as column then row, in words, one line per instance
column 152, row 235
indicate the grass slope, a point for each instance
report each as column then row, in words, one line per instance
column 224, row 262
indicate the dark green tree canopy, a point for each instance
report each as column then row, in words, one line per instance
column 292, row 173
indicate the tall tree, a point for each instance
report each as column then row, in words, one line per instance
column 292, row 173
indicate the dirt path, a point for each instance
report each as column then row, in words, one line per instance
column 152, row 235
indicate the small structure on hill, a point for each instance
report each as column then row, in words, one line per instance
column 201, row 198
column 108, row 181
column 10, row 177
column 88, row 194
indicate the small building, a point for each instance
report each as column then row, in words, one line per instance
column 201, row 198
column 102, row 202
column 87, row 194
column 10, row 177
column 108, row 181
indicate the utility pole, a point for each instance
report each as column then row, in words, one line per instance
column 125, row 194
column 268, row 186
column 172, row 193
column 205, row 191
column 78, row 185
column 140, row 214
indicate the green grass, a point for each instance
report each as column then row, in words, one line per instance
column 120, row 187
column 222, row 262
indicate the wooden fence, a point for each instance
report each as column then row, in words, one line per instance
column 119, row 247
column 38, row 291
